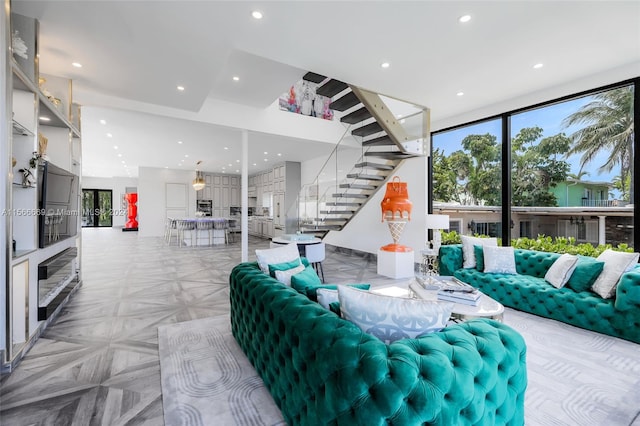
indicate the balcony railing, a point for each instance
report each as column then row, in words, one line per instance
column 586, row 202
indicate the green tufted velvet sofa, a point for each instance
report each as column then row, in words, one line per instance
column 322, row 370
column 571, row 304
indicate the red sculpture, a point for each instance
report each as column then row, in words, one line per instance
column 396, row 200
column 132, row 211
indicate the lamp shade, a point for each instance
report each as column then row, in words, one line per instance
column 437, row 221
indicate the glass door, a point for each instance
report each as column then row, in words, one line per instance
column 97, row 208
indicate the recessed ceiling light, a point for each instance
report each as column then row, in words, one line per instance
column 119, row 155
column 230, row 165
column 186, row 156
column 236, row 78
column 226, row 147
column 237, row 161
column 179, row 142
column 256, row 14
column 103, row 121
column 122, row 161
column 265, row 153
column 109, row 135
column 538, row 66
column 464, row 18
column 115, row 147
column 460, row 94
column 385, row 65
column 43, row 118
column 166, row 167
column 77, row 64
column 180, row 88
column 237, row 171
column 254, row 164
column 266, row 159
column 279, row 155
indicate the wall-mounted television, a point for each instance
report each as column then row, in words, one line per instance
column 58, row 204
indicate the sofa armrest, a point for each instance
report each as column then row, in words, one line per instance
column 628, row 291
column 450, row 259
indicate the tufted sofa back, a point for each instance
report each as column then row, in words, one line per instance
column 323, row 370
column 534, row 263
column 528, row 262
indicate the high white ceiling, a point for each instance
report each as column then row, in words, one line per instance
column 135, row 53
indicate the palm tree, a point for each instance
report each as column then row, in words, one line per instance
column 608, row 126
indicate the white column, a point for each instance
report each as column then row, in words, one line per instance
column 244, row 196
column 602, row 234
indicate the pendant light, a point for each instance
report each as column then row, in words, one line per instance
column 198, row 182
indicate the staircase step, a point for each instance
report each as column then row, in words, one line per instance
column 314, row 78
column 376, row 166
column 349, row 195
column 356, row 116
column 365, row 176
column 337, row 212
column 390, row 155
column 317, row 228
column 345, row 102
column 331, row 221
column 331, row 88
column 342, row 204
column 357, row 186
column 381, row 141
column 367, row 130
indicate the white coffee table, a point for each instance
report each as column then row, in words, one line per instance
column 486, row 307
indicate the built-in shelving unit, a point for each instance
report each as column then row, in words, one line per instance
column 45, row 126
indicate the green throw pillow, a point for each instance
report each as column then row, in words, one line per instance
column 587, row 271
column 308, row 283
column 285, row 266
column 478, row 252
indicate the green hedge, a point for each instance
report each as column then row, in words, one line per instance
column 547, row 244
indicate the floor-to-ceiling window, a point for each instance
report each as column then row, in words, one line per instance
column 466, row 165
column 571, row 170
column 97, row 208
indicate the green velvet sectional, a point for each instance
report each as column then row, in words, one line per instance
column 573, row 304
column 323, row 370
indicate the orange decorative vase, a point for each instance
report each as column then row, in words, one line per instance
column 396, row 202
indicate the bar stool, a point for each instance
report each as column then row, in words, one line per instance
column 185, row 226
column 315, row 254
column 170, row 229
column 206, row 226
column 221, row 225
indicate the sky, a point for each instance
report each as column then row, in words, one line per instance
column 549, row 119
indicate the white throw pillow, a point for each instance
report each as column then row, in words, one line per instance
column 285, row 276
column 561, row 270
column 616, row 263
column 286, row 253
column 392, row 318
column 499, row 260
column 326, row 297
column 469, row 257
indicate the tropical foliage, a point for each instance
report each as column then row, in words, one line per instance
column 548, row 244
column 607, row 125
column 472, row 175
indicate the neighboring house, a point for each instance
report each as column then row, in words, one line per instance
column 582, row 193
column 594, row 225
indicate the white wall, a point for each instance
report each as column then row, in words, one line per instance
column 117, row 185
column 366, row 233
column 152, row 202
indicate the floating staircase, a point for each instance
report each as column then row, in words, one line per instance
column 381, row 137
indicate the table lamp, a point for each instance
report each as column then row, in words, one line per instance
column 437, row 222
